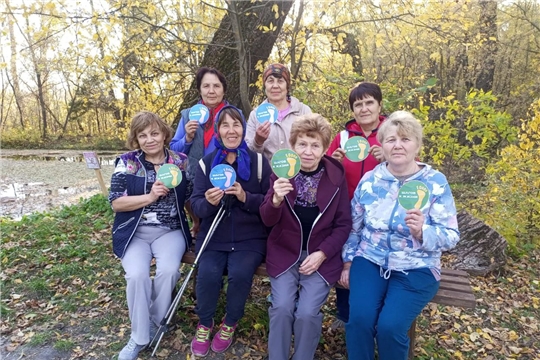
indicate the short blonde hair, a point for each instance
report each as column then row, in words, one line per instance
column 406, row 124
column 141, row 121
column 312, row 125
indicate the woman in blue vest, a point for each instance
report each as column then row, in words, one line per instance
column 196, row 140
column 149, row 223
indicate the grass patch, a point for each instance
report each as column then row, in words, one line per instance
column 41, row 339
column 64, row 345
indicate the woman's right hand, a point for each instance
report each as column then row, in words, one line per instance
column 338, row 154
column 282, row 187
column 344, row 279
column 262, row 133
column 214, row 195
column 158, row 190
column 191, row 128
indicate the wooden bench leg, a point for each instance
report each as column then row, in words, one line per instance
column 412, row 339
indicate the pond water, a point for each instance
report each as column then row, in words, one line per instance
column 38, row 180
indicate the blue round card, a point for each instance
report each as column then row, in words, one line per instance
column 199, row 113
column 223, row 176
column 267, row 112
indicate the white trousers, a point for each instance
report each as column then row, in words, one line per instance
column 148, row 300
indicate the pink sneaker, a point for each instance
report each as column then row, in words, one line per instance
column 201, row 342
column 223, row 338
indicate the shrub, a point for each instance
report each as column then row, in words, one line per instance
column 512, row 204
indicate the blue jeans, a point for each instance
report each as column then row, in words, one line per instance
column 384, row 309
column 240, row 266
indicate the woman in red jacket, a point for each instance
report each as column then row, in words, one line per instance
column 310, row 217
column 365, row 101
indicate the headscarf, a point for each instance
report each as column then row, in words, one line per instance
column 279, row 70
column 242, row 155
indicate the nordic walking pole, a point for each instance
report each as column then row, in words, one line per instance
column 163, row 327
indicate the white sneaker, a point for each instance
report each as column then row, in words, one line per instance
column 130, row 351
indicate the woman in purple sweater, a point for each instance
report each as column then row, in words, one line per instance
column 310, row 216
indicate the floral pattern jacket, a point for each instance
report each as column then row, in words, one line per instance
column 379, row 232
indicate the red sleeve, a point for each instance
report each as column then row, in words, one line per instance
column 334, row 144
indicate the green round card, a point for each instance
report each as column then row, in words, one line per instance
column 285, row 163
column 170, row 175
column 413, row 195
column 356, row 148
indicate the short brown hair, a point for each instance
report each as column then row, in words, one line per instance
column 406, row 124
column 210, row 70
column 141, row 121
column 312, row 125
column 363, row 90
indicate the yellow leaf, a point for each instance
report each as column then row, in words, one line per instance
column 512, row 336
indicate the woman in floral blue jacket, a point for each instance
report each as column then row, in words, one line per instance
column 392, row 257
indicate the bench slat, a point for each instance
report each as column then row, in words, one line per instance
column 453, row 298
column 456, row 287
column 455, row 279
column 454, row 272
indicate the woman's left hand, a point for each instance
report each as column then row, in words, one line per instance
column 312, row 263
column 377, row 153
column 237, row 191
column 415, row 220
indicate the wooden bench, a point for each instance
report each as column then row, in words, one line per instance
column 454, row 290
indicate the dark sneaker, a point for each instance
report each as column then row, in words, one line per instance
column 130, row 351
column 223, row 338
column 200, row 345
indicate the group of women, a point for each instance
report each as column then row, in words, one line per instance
column 336, row 222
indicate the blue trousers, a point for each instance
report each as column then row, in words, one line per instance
column 240, row 266
column 342, row 304
column 384, row 309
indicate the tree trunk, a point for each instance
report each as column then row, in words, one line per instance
column 488, row 50
column 14, row 82
column 112, row 96
column 42, row 105
column 348, row 45
column 481, row 249
column 236, row 50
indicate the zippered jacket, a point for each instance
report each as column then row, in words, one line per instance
column 125, row 223
column 379, row 232
column 328, row 233
column 279, row 132
column 354, row 171
column 241, row 228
